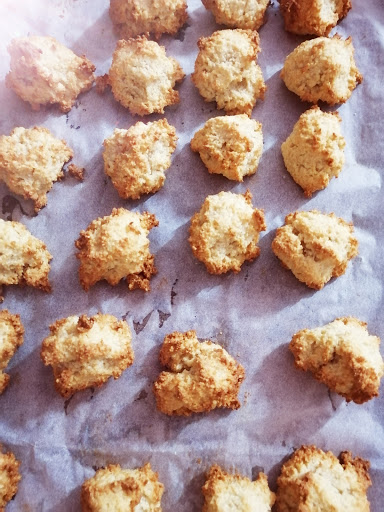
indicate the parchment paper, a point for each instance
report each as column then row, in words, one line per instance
column 252, row 314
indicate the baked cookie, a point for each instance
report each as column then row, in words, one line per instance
column 230, row 145
column 225, row 492
column 201, row 376
column 136, row 159
column 342, row 355
column 142, row 77
column 31, row 160
column 313, row 480
column 322, row 69
column 313, row 17
column 134, row 17
column 11, row 337
column 315, row 246
column 24, row 259
column 247, row 14
column 225, row 232
column 117, row 247
column 43, row 72
column 226, row 70
column 120, row 490
column 86, row 351
column 9, row 477
column 314, row 152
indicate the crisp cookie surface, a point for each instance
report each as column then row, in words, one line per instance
column 55, row 74
column 225, row 232
column 226, row 70
column 322, row 69
column 122, row 490
column 225, row 492
column 9, row 477
column 314, row 152
column 230, row 145
column 314, row 17
column 24, row 259
column 313, row 481
column 117, row 247
column 134, row 17
column 86, row 351
column 136, row 159
column 247, row 14
column 342, row 355
column 201, row 376
column 11, row 337
column 142, row 77
column 31, row 160
column 315, row 246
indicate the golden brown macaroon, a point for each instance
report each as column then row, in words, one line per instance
column 313, row 17
column 322, row 69
column 31, row 160
column 225, row 232
column 11, row 337
column 134, row 17
column 230, row 145
column 226, row 70
column 86, row 351
column 342, row 355
column 315, row 246
column 136, row 159
column 122, row 490
column 24, row 259
column 247, row 14
column 117, row 247
column 201, row 376
column 44, row 72
column 142, row 77
column 313, row 480
column 226, row 492
column 9, row 477
column 314, row 152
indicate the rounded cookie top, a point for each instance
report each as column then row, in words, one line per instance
column 322, row 69
column 248, row 14
column 9, row 477
column 11, row 337
column 226, row 70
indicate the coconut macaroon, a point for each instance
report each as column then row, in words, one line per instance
column 43, row 72
column 114, row 488
column 313, row 480
column 225, row 232
column 226, row 70
column 201, row 376
column 226, row 492
column 142, row 77
column 24, row 259
column 230, row 145
column 86, row 351
column 136, row 159
column 117, row 247
column 134, row 17
column 9, row 477
column 247, row 14
column 31, row 160
column 11, row 337
column 322, row 69
column 313, row 17
column 315, row 246
column 342, row 355
column 314, row 152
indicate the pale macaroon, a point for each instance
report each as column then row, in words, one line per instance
column 200, row 376
column 9, row 477
column 247, row 14
column 136, row 159
column 54, row 73
column 226, row 70
column 11, row 337
column 230, row 145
